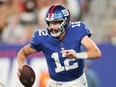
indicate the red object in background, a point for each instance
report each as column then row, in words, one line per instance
column 44, row 77
column 21, row 6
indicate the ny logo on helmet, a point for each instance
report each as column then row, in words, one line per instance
column 65, row 12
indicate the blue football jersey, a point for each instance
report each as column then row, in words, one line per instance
column 62, row 68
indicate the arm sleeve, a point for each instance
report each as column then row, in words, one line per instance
column 85, row 30
column 35, row 42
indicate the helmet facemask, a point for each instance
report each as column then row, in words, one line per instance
column 61, row 28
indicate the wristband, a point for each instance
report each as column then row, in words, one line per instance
column 82, row 55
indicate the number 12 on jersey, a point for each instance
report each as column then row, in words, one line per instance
column 67, row 66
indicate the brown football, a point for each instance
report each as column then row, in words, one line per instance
column 27, row 77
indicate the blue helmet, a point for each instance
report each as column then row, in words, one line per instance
column 58, row 13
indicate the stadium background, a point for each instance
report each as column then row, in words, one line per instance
column 20, row 18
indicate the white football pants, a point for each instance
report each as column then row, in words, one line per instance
column 80, row 82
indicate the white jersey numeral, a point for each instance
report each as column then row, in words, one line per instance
column 43, row 33
column 67, row 66
column 59, row 67
column 74, row 24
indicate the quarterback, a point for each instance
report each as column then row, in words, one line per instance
column 61, row 43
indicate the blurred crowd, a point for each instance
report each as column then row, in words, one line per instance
column 20, row 18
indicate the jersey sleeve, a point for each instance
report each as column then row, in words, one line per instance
column 35, row 42
column 85, row 30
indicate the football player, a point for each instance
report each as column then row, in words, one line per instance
column 61, row 44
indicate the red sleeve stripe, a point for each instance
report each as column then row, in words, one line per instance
column 52, row 9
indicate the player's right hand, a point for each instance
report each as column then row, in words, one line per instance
column 18, row 72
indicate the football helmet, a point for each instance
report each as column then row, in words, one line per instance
column 58, row 13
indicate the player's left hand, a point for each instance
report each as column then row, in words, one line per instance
column 69, row 54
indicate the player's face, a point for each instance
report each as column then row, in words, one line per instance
column 54, row 26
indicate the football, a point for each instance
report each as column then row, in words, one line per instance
column 27, row 77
